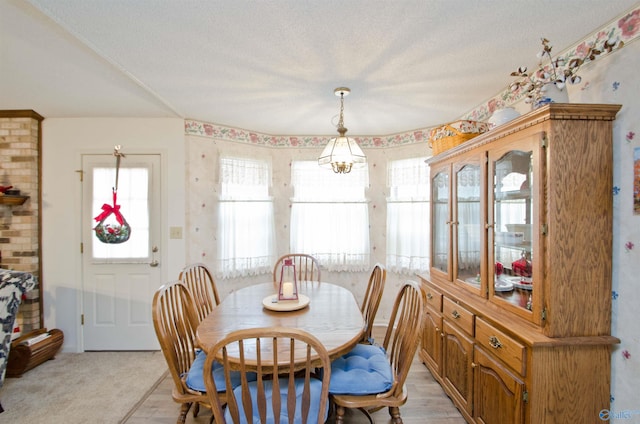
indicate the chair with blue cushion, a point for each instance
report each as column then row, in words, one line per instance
column 371, row 300
column 372, row 377
column 175, row 322
column 202, row 287
column 285, row 387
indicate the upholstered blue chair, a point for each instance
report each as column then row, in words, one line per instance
column 195, row 377
column 286, row 386
column 365, row 367
column 371, row 377
column 364, row 370
column 175, row 322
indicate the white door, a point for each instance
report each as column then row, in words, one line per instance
column 119, row 280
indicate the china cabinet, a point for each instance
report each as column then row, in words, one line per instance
column 518, row 297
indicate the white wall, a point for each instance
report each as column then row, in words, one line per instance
column 63, row 143
column 614, row 79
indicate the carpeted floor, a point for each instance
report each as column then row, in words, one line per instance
column 90, row 387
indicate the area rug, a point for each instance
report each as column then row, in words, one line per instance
column 90, row 387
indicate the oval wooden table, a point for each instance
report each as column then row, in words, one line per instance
column 332, row 315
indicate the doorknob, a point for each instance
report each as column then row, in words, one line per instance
column 154, row 263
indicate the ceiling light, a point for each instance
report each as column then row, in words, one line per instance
column 342, row 153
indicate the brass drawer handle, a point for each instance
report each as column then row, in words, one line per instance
column 455, row 314
column 429, row 296
column 494, row 342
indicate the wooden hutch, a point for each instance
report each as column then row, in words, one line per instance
column 519, row 290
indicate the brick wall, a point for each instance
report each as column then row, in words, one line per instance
column 20, row 166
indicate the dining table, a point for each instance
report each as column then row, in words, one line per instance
column 328, row 311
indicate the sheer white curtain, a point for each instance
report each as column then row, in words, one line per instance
column 330, row 216
column 408, row 216
column 246, row 229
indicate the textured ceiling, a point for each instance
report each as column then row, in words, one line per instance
column 272, row 66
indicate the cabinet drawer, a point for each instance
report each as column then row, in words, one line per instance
column 433, row 297
column 457, row 314
column 509, row 350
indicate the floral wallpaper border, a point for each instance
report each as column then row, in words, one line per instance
column 626, row 29
column 203, row 129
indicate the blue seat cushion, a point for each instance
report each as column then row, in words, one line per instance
column 195, row 376
column 316, row 391
column 365, row 370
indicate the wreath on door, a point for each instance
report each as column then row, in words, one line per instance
column 112, row 227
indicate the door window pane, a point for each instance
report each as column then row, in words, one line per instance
column 513, row 211
column 469, row 227
column 440, row 208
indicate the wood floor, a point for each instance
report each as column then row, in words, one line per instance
column 427, row 404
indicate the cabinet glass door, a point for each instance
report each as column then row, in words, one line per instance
column 512, row 219
column 441, row 237
column 468, row 230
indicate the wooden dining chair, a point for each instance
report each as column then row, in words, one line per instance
column 202, row 287
column 373, row 377
column 307, row 267
column 175, row 323
column 372, row 299
column 285, row 387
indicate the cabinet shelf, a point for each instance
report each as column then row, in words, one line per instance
column 12, row 200
column 526, row 246
column 513, row 195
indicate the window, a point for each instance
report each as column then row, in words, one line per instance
column 330, row 216
column 246, row 230
column 408, row 216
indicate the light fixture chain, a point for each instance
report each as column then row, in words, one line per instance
column 341, row 120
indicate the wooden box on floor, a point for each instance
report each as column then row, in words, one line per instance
column 23, row 357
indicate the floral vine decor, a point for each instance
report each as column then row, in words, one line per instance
column 112, row 232
column 558, row 71
column 118, row 231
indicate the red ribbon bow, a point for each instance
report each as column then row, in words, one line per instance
column 108, row 210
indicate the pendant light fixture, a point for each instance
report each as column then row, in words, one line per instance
column 342, row 153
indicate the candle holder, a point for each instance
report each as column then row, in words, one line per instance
column 288, row 289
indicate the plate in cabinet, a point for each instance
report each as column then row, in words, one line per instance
column 502, row 285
